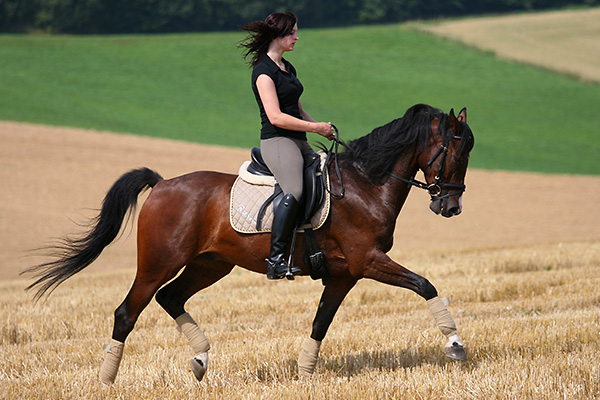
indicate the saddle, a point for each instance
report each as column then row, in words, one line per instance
column 314, row 187
column 256, row 194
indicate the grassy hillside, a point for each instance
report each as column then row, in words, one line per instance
column 197, row 88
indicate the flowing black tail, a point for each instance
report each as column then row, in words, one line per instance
column 74, row 254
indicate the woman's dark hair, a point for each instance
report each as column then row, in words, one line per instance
column 262, row 33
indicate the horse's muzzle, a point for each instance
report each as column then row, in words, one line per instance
column 448, row 207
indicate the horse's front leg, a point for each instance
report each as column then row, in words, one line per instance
column 334, row 293
column 383, row 269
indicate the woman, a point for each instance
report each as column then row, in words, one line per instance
column 284, row 124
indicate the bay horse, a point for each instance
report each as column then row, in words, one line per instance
column 184, row 224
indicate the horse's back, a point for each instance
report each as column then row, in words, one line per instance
column 199, row 180
column 191, row 187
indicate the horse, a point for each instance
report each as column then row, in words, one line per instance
column 185, row 242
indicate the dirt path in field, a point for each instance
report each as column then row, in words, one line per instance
column 52, row 177
column 565, row 41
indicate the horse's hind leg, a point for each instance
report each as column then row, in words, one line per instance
column 173, row 297
column 145, row 285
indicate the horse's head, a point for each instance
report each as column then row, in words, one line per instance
column 444, row 162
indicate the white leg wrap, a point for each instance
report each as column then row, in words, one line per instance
column 454, row 340
column 309, row 355
column 188, row 326
column 110, row 366
column 442, row 317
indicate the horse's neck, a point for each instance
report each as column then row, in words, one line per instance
column 394, row 191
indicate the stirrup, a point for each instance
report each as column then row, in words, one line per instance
column 281, row 270
column 291, row 271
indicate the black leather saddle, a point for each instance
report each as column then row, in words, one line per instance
column 314, row 187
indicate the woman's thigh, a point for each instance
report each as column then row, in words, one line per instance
column 285, row 159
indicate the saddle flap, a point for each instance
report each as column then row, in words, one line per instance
column 314, row 187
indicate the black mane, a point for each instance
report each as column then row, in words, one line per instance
column 376, row 153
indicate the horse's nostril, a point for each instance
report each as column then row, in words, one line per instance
column 454, row 211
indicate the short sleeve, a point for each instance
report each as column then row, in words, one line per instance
column 260, row 69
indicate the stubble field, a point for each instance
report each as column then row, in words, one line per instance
column 564, row 41
column 521, row 267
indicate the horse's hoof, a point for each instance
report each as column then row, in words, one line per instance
column 456, row 352
column 199, row 364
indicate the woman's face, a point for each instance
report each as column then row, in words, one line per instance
column 288, row 42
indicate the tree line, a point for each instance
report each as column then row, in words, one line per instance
column 162, row 16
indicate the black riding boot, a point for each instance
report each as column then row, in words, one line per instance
column 284, row 222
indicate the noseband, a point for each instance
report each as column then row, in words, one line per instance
column 435, row 189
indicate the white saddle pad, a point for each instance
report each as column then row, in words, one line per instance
column 247, row 198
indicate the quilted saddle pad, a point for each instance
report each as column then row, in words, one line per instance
column 246, row 200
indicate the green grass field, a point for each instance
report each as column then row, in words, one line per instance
column 196, row 87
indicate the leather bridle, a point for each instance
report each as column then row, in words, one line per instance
column 435, row 189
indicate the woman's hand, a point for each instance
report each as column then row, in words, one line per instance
column 324, row 129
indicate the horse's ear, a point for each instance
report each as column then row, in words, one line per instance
column 454, row 122
column 462, row 115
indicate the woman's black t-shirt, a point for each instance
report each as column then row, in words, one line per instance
column 288, row 89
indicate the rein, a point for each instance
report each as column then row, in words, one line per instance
column 435, row 189
column 333, row 150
